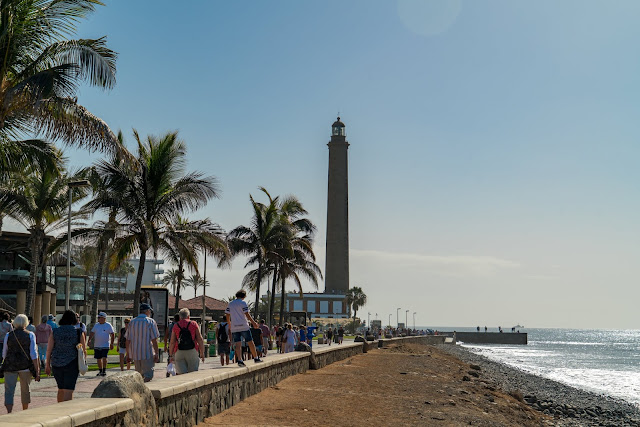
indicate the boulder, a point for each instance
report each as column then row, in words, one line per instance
column 358, row 338
column 130, row 385
column 303, row 346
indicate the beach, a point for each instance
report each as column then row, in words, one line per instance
column 416, row 384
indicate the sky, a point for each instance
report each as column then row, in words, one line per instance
column 493, row 165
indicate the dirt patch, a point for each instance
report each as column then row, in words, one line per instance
column 405, row 384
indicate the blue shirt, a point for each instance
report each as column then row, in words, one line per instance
column 52, row 323
column 65, row 339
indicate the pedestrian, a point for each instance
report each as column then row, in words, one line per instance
column 62, row 354
column 52, row 321
column 122, row 345
column 43, row 331
column 266, row 337
column 329, row 335
column 186, row 344
column 167, row 332
column 20, row 360
column 31, row 327
column 303, row 334
column 103, row 336
column 289, row 339
column 81, row 325
column 222, row 337
column 5, row 327
column 279, row 333
column 256, row 335
column 340, row 334
column 239, row 318
column 142, row 342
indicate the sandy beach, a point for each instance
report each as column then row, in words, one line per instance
column 407, row 384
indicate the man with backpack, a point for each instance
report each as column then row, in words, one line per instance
column 187, row 346
column 222, row 337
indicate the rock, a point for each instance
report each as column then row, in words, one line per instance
column 466, row 378
column 130, row 385
column 473, row 374
column 359, row 338
column 475, row 367
column 452, row 402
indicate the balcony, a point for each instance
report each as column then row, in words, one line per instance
column 158, row 271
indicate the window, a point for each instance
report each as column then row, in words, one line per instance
column 297, row 305
column 311, row 306
column 324, row 306
column 337, row 306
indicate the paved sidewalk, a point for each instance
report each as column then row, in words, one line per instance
column 44, row 392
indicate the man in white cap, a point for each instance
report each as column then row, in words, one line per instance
column 103, row 337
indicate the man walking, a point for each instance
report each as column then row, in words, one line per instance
column 103, row 336
column 222, row 337
column 142, row 342
column 239, row 318
column 340, row 334
column 266, row 337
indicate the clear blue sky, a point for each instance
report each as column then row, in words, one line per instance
column 494, row 151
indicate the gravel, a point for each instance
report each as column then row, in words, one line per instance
column 568, row 406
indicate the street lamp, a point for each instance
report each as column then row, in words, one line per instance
column 398, row 318
column 70, row 185
column 368, row 315
column 406, row 322
column 389, row 320
column 414, row 320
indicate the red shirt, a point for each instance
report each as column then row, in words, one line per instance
column 265, row 331
column 184, row 324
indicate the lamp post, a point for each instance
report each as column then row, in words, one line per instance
column 368, row 315
column 414, row 320
column 204, row 297
column 406, row 322
column 70, row 185
column 397, row 318
column 389, row 320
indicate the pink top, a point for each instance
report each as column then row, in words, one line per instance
column 193, row 327
column 43, row 330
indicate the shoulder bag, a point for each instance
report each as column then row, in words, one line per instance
column 32, row 367
column 82, row 362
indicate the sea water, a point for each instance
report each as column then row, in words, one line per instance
column 600, row 361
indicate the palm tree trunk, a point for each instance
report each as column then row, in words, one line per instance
column 136, row 295
column 180, row 274
column 272, row 301
column 96, row 286
column 282, row 298
column 255, row 312
column 106, row 289
column 33, row 273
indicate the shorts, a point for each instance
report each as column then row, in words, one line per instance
column 237, row 336
column 123, row 350
column 259, row 348
column 265, row 342
column 223, row 348
column 100, row 353
column 67, row 375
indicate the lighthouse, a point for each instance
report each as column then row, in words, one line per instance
column 337, row 256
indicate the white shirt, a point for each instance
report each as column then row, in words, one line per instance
column 102, row 333
column 33, row 349
column 237, row 310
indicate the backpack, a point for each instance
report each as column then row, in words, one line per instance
column 185, row 340
column 222, row 333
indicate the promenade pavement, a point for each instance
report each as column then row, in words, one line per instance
column 44, row 392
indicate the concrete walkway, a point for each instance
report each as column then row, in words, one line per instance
column 44, row 392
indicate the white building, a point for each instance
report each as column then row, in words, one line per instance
column 151, row 276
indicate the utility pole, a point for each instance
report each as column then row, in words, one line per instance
column 204, row 299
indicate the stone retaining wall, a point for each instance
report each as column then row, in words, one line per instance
column 188, row 399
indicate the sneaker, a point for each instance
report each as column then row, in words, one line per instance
column 99, row 374
column 241, row 364
column 257, row 360
column 104, row 373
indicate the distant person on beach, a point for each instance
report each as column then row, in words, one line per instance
column 142, row 342
column 222, row 337
column 62, row 354
column 239, row 318
column 43, row 330
column 478, row 329
column 329, row 335
column 485, row 329
column 340, row 334
column 20, row 356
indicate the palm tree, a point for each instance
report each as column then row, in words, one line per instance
column 151, row 189
column 170, row 278
column 39, row 201
column 196, row 282
column 356, row 298
column 259, row 241
column 41, row 71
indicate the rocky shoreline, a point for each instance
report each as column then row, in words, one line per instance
column 567, row 405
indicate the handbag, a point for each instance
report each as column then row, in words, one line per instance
column 32, row 367
column 82, row 362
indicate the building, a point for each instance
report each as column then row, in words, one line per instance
column 152, row 275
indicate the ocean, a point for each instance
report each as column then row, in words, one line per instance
column 600, row 361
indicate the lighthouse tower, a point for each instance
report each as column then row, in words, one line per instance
column 337, row 257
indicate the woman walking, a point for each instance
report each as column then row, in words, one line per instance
column 122, row 345
column 62, row 354
column 289, row 338
column 187, row 345
column 19, row 353
column 43, row 330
